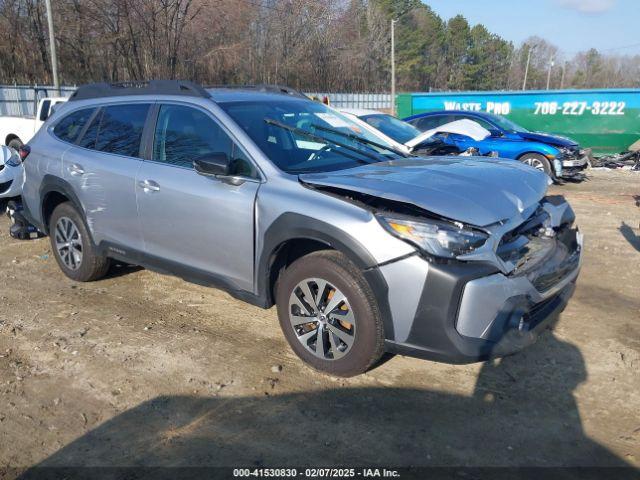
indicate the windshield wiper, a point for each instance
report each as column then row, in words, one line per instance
column 356, row 138
column 321, row 139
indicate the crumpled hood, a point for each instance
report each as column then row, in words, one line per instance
column 464, row 127
column 555, row 140
column 475, row 191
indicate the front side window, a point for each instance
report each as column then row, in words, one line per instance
column 507, row 124
column 183, row 134
column 70, row 126
column 483, row 123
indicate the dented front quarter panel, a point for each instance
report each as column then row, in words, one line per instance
column 325, row 215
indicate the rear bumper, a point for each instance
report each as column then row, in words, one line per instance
column 467, row 314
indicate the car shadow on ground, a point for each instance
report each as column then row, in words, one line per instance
column 119, row 269
column 630, row 236
column 522, row 413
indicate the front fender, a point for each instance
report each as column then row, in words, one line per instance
column 540, row 148
column 294, row 226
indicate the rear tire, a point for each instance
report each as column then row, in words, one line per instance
column 539, row 162
column 72, row 246
column 344, row 335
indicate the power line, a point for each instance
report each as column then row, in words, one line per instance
column 620, row 48
column 574, row 52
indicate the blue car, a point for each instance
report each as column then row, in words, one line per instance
column 557, row 156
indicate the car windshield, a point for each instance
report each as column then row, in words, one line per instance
column 507, row 124
column 393, row 128
column 301, row 136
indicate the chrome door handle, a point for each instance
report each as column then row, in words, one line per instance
column 149, row 186
column 76, row 170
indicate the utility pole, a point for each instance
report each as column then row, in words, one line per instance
column 52, row 46
column 564, row 68
column 526, row 69
column 549, row 71
column 393, row 67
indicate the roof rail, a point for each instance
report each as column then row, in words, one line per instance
column 152, row 87
column 264, row 87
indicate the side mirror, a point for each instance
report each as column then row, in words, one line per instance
column 496, row 133
column 213, row 164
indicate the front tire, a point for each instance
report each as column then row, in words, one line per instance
column 329, row 314
column 539, row 162
column 72, row 247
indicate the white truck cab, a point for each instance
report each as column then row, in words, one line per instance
column 16, row 131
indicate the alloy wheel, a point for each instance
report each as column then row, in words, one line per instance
column 68, row 242
column 535, row 163
column 322, row 319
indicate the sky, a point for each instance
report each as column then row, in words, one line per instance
column 572, row 25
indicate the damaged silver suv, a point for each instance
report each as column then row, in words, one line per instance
column 281, row 200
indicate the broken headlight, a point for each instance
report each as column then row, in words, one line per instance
column 567, row 153
column 441, row 239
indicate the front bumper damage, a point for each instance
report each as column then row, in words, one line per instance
column 472, row 311
column 579, row 163
column 576, row 162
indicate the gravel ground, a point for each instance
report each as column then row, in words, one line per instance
column 145, row 369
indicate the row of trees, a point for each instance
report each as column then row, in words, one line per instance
column 334, row 45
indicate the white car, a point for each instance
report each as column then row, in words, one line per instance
column 404, row 136
column 11, row 173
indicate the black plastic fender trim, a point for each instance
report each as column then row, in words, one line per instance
column 52, row 184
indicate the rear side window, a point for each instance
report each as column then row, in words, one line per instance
column 120, row 130
column 427, row 123
column 70, row 126
column 44, row 110
column 90, row 136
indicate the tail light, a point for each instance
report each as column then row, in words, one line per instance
column 24, row 152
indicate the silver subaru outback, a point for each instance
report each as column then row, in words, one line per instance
column 281, row 200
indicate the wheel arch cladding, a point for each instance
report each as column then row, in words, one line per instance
column 295, row 234
column 53, row 192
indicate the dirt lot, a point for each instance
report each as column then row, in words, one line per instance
column 145, row 369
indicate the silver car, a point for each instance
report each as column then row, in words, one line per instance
column 281, row 200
